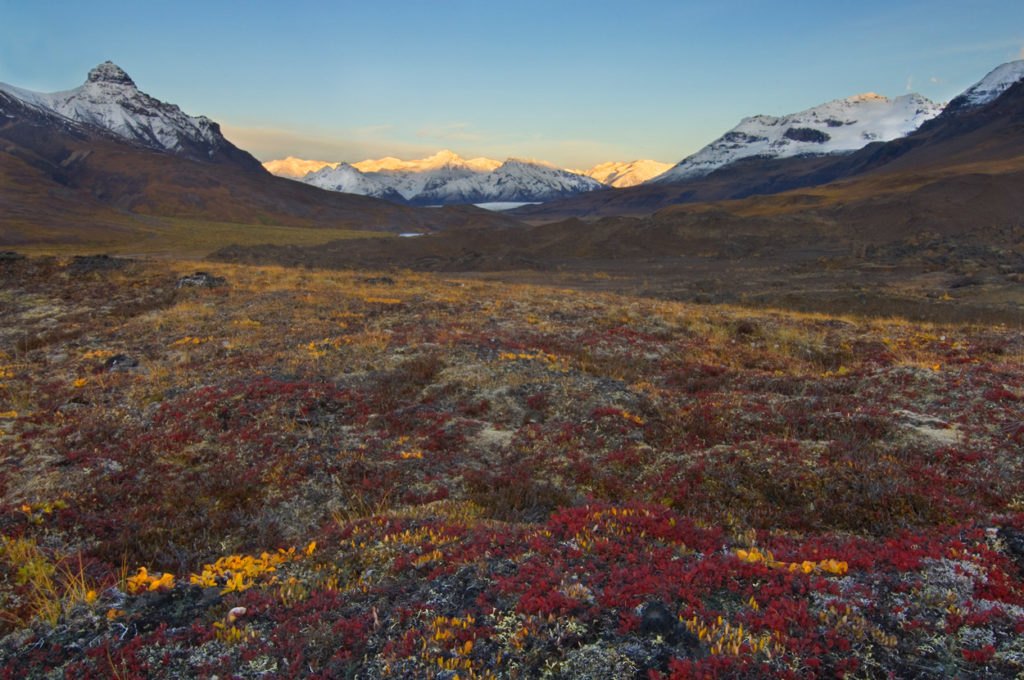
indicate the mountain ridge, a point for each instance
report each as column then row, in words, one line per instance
column 445, row 178
column 837, row 126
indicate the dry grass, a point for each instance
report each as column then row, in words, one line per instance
column 186, row 238
column 537, row 459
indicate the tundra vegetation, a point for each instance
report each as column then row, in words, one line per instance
column 329, row 474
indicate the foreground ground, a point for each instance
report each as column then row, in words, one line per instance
column 297, row 473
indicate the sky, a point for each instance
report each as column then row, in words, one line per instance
column 575, row 83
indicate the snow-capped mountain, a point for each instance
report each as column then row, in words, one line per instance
column 343, row 177
column 445, row 178
column 295, row 168
column 515, row 180
column 619, row 174
column 838, row 126
column 110, row 101
column 988, row 88
column 426, row 176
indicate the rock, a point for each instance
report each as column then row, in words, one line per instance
column 201, row 280
column 1014, row 542
column 175, row 607
column 656, row 619
column 120, row 362
column 97, row 263
column 597, row 662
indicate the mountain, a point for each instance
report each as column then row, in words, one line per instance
column 838, row 126
column 988, row 88
column 986, row 138
column 515, row 180
column 445, row 179
column 110, row 101
column 619, row 174
column 422, row 181
column 295, row 167
column 343, row 177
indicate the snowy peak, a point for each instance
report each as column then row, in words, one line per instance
column 618, row 174
column 515, row 180
column 110, row 101
column 838, row 126
column 988, row 88
column 866, row 97
column 294, row 168
column 444, row 158
column 345, row 178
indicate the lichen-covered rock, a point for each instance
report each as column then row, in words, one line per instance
column 598, row 661
column 201, row 280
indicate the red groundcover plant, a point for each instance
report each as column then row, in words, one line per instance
column 331, row 474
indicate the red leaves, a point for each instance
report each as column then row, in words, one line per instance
column 1001, row 394
column 983, row 655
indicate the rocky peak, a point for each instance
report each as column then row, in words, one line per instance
column 109, row 72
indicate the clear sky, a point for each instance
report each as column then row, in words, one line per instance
column 571, row 82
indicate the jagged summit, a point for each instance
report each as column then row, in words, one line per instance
column 109, row 72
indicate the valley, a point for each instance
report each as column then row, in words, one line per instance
column 763, row 420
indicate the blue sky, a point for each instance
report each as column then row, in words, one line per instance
column 574, row 83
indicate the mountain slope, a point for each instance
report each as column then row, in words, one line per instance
column 838, row 126
column 997, row 81
column 110, row 101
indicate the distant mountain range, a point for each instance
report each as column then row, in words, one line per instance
column 101, row 160
column 839, row 126
column 445, row 179
column 761, row 167
column 945, row 198
column 421, row 180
